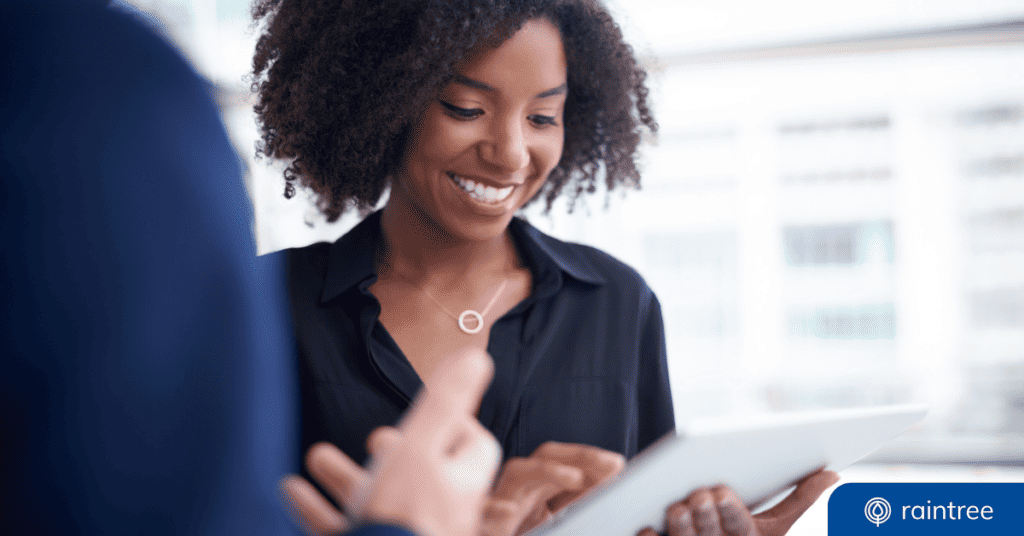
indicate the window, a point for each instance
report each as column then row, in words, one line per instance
column 866, row 322
column 847, row 244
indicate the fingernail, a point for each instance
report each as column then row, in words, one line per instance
column 683, row 518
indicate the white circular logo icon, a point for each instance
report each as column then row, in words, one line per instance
column 877, row 510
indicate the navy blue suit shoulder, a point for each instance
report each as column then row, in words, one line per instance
column 145, row 380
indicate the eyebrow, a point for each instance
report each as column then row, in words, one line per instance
column 462, row 80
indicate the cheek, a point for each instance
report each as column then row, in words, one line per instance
column 545, row 157
column 550, row 152
column 439, row 143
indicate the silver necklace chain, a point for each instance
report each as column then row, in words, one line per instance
column 468, row 313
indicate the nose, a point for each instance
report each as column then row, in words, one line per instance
column 506, row 149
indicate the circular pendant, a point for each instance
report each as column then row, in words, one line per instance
column 474, row 314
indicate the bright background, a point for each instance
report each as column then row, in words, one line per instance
column 832, row 214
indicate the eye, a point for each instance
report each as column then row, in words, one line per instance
column 464, row 114
column 542, row 120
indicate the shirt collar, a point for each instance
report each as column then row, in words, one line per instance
column 352, row 262
column 542, row 250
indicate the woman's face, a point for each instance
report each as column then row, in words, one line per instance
column 487, row 144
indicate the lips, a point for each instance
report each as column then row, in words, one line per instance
column 480, row 192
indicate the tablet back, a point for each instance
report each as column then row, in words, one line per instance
column 757, row 456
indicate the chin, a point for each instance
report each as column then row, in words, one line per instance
column 484, row 230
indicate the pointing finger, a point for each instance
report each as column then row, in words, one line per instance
column 451, row 394
column 475, row 459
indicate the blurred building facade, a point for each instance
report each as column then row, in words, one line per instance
column 841, row 223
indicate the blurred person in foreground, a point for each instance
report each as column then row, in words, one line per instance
column 146, row 386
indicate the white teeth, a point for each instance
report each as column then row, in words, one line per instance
column 487, row 194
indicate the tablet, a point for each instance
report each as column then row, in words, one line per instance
column 757, row 456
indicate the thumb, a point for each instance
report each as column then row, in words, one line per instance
column 800, row 499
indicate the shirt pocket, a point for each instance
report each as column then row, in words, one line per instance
column 595, row 412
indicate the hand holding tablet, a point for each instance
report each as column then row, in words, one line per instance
column 719, row 511
column 553, row 476
column 755, row 457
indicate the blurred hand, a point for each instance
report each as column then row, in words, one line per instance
column 718, row 511
column 432, row 474
column 339, row 475
column 596, row 464
column 548, row 480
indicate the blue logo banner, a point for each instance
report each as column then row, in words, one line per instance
column 932, row 509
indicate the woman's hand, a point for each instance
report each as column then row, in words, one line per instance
column 530, row 489
column 432, row 474
column 718, row 511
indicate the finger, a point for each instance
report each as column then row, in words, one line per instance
column 576, row 485
column 311, row 511
column 503, row 517
column 734, row 515
column 537, row 516
column 382, row 440
column 533, row 505
column 800, row 499
column 678, row 520
column 564, row 483
column 341, row 477
column 522, row 475
column 498, row 518
column 564, row 476
column 564, row 499
column 597, row 463
column 474, row 440
column 647, row 531
column 476, row 459
column 588, row 479
column 453, row 392
column 704, row 512
column 499, row 508
column 554, row 479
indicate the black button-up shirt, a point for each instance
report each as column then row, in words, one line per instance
column 581, row 360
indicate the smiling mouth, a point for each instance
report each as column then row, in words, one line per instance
column 484, row 194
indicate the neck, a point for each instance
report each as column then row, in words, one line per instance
column 418, row 248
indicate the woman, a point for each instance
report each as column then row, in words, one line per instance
column 465, row 112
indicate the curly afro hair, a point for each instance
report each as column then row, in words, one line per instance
column 340, row 83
